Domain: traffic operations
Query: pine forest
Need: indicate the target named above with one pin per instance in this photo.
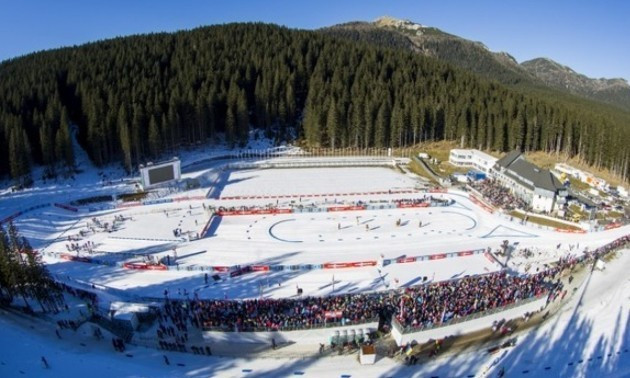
(134, 99)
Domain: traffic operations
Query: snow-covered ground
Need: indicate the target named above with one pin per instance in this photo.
(596, 333)
(600, 323)
(296, 239)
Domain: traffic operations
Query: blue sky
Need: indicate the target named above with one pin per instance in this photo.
(592, 37)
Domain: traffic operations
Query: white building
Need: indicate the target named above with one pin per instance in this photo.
(472, 158)
(582, 176)
(536, 186)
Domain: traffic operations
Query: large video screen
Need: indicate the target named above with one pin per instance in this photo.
(158, 175)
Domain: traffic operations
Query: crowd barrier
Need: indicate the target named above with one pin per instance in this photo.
(309, 210)
(345, 208)
(157, 201)
(331, 209)
(342, 265)
(481, 203)
(570, 231)
(84, 259)
(69, 257)
(241, 269)
(144, 266)
(66, 207)
(431, 257)
(222, 213)
(402, 205)
(22, 212)
(128, 204)
(187, 198)
(403, 335)
(612, 226)
(101, 208)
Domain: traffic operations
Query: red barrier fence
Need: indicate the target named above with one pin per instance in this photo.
(70, 257)
(437, 256)
(404, 260)
(144, 266)
(612, 225)
(465, 253)
(260, 268)
(348, 264)
(570, 231)
(481, 204)
(491, 258)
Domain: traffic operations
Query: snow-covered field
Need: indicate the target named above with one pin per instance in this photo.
(293, 239)
(586, 340)
(300, 239)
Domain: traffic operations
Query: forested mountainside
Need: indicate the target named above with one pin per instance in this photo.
(476, 57)
(555, 75)
(136, 98)
(432, 42)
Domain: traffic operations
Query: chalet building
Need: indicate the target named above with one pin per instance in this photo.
(474, 159)
(536, 186)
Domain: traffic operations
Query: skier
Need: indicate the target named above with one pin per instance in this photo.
(45, 363)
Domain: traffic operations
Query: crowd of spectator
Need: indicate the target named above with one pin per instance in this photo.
(275, 314)
(415, 307)
(426, 305)
(498, 195)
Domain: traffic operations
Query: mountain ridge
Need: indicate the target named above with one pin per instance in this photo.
(475, 56)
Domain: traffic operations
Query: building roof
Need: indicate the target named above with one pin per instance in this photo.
(509, 158)
(528, 174)
(583, 199)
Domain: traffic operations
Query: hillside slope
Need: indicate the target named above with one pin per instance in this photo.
(555, 75)
(141, 97)
(474, 56)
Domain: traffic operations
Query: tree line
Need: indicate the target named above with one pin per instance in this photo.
(138, 98)
(23, 275)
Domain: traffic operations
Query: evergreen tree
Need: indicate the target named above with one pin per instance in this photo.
(242, 117)
(47, 143)
(63, 143)
(332, 124)
(19, 156)
(22, 272)
(264, 76)
(381, 126)
(125, 141)
(154, 138)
